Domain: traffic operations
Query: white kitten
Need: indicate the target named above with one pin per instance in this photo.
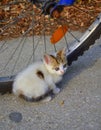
(38, 79)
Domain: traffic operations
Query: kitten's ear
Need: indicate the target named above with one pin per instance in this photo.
(47, 58)
(64, 51)
(61, 52)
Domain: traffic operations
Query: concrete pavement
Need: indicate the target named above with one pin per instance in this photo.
(76, 107)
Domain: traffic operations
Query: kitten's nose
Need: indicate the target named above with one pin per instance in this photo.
(62, 72)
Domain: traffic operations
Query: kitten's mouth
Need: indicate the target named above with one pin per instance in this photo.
(62, 72)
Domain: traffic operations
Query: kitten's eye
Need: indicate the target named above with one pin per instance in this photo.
(64, 65)
(57, 68)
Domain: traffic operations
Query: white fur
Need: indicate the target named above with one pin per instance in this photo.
(31, 85)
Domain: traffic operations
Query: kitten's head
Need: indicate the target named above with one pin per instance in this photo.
(56, 64)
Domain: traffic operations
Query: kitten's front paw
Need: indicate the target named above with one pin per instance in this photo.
(56, 90)
(47, 99)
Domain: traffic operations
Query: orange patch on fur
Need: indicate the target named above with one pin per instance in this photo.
(40, 74)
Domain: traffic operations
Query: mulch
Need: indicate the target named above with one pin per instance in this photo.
(21, 19)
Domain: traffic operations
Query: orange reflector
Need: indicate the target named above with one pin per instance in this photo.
(58, 34)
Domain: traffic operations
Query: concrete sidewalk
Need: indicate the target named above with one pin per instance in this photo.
(76, 107)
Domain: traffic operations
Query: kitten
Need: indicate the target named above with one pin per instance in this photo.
(38, 79)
